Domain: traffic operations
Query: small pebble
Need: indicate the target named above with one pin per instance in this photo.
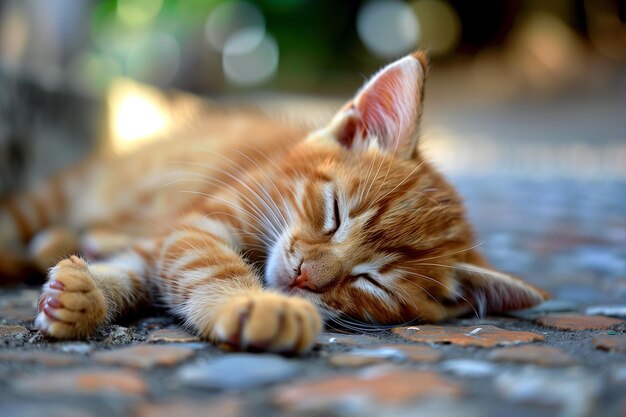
(238, 371)
(574, 391)
(468, 367)
(613, 311)
(82, 348)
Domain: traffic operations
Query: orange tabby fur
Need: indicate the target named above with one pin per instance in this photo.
(254, 230)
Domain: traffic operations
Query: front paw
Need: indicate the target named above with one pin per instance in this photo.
(70, 306)
(267, 322)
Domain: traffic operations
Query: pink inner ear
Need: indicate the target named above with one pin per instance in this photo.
(382, 105)
(388, 106)
(349, 131)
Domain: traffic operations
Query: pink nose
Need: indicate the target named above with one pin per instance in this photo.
(302, 281)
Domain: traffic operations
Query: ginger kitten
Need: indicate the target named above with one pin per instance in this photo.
(276, 229)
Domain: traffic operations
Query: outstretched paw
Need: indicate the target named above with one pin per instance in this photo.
(268, 322)
(71, 306)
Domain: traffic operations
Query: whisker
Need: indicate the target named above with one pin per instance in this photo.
(228, 187)
(399, 184)
(452, 290)
(271, 161)
(263, 221)
(271, 210)
(273, 184)
(455, 252)
(366, 180)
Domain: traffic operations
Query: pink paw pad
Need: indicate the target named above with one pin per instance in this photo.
(53, 302)
(56, 285)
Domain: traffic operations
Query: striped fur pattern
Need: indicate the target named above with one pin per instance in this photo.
(254, 231)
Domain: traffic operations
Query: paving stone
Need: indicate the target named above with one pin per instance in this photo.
(81, 348)
(347, 359)
(41, 357)
(238, 371)
(19, 313)
(382, 353)
(479, 335)
(469, 367)
(172, 336)
(42, 410)
(389, 386)
(550, 306)
(578, 322)
(348, 340)
(435, 407)
(614, 343)
(13, 332)
(400, 352)
(618, 374)
(225, 407)
(613, 311)
(98, 382)
(574, 391)
(537, 355)
(195, 345)
(144, 356)
(528, 410)
(417, 353)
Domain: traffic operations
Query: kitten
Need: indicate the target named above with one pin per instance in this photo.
(276, 229)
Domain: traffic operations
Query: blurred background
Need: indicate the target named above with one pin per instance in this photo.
(547, 78)
(526, 100)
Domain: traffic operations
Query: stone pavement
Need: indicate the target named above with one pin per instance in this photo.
(564, 358)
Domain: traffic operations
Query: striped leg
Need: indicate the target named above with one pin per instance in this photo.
(79, 297)
(199, 273)
(204, 279)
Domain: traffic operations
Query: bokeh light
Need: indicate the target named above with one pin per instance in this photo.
(229, 18)
(155, 59)
(13, 38)
(137, 115)
(138, 12)
(440, 26)
(250, 57)
(546, 49)
(388, 28)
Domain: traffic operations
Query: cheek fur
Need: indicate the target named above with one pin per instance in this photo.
(283, 262)
(276, 268)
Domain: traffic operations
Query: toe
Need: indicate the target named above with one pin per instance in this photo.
(264, 323)
(230, 320)
(287, 339)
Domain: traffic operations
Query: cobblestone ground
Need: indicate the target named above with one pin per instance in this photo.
(567, 357)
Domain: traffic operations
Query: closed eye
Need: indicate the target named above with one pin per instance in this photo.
(369, 284)
(336, 213)
(368, 278)
(332, 219)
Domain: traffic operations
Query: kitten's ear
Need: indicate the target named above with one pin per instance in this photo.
(489, 291)
(386, 111)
